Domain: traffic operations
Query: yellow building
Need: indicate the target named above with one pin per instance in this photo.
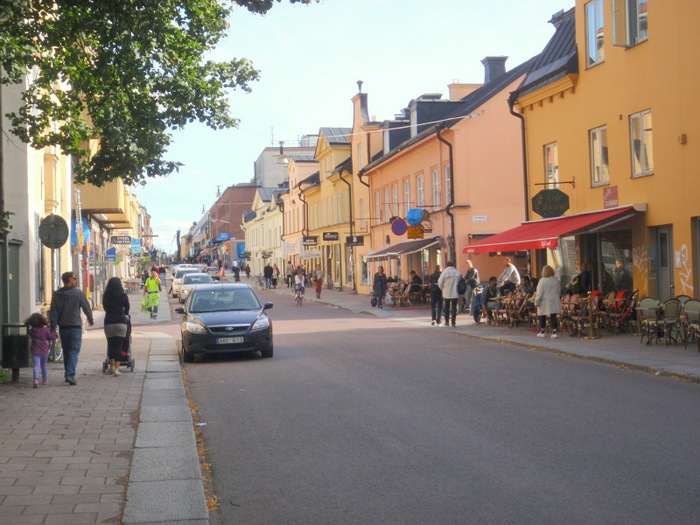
(609, 114)
(328, 205)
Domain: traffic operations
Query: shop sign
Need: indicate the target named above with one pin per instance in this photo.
(550, 203)
(610, 199)
(330, 236)
(355, 240)
(121, 239)
(310, 241)
(310, 254)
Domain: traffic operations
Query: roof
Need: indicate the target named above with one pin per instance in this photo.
(470, 103)
(558, 59)
(337, 136)
(303, 158)
(266, 193)
(314, 178)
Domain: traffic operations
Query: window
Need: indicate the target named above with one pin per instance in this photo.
(406, 197)
(420, 191)
(594, 33)
(629, 22)
(551, 165)
(448, 184)
(395, 199)
(387, 204)
(641, 144)
(363, 224)
(436, 190)
(599, 156)
(360, 160)
(377, 208)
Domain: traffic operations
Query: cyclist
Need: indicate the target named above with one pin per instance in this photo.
(299, 284)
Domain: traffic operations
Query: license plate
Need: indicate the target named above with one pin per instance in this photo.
(229, 340)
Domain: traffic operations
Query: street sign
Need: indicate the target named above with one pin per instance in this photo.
(111, 254)
(415, 232)
(121, 239)
(399, 227)
(550, 203)
(53, 231)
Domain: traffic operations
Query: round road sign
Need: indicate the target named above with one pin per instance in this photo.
(53, 231)
(399, 227)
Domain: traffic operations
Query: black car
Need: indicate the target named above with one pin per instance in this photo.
(225, 318)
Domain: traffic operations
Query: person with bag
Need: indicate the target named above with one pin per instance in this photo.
(318, 280)
(449, 283)
(116, 322)
(380, 286)
(548, 301)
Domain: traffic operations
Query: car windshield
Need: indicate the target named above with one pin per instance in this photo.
(224, 300)
(197, 279)
(182, 272)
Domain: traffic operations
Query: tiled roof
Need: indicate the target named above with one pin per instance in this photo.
(558, 59)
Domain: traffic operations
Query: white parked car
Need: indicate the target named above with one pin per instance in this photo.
(190, 282)
(177, 279)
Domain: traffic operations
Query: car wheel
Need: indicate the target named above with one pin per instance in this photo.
(268, 352)
(187, 357)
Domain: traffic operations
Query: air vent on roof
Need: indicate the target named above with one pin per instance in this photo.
(430, 96)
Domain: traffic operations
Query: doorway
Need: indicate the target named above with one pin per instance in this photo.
(664, 263)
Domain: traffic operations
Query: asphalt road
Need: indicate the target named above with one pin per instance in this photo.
(360, 420)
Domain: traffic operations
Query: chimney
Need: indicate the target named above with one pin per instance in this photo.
(495, 67)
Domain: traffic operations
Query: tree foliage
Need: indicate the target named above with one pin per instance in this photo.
(126, 73)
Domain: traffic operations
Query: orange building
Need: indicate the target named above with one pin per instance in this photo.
(458, 162)
(609, 110)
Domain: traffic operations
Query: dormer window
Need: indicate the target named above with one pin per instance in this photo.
(629, 22)
(595, 33)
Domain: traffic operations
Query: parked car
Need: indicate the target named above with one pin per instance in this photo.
(225, 318)
(177, 279)
(189, 281)
(213, 270)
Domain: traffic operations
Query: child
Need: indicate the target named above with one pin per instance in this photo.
(40, 334)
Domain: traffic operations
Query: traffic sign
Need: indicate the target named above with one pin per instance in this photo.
(53, 231)
(399, 227)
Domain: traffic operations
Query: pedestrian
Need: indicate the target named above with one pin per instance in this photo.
(161, 276)
(435, 297)
(267, 273)
(289, 273)
(490, 299)
(621, 277)
(318, 280)
(40, 335)
(151, 295)
(247, 271)
(66, 304)
(116, 323)
(448, 283)
(275, 275)
(471, 277)
(509, 278)
(380, 286)
(547, 301)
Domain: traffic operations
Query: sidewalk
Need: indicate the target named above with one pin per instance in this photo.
(623, 350)
(109, 450)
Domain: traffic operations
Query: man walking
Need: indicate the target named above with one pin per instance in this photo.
(448, 283)
(435, 297)
(267, 273)
(66, 304)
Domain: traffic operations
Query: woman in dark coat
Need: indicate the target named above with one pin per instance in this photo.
(380, 286)
(116, 324)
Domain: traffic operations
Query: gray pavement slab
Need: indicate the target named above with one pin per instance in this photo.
(167, 501)
(163, 464)
(165, 434)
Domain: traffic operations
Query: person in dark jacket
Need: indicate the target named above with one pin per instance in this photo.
(267, 273)
(116, 324)
(380, 286)
(473, 282)
(66, 304)
(435, 297)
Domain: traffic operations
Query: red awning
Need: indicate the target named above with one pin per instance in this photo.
(535, 235)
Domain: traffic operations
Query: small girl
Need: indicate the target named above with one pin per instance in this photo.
(40, 334)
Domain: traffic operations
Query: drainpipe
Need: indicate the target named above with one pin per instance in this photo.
(352, 230)
(361, 174)
(450, 245)
(305, 229)
(511, 103)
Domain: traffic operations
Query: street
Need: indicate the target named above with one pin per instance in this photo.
(359, 419)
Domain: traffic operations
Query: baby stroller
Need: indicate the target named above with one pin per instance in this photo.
(125, 359)
(477, 307)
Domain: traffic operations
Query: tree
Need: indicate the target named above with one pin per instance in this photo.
(125, 73)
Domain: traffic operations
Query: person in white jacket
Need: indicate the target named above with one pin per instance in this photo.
(548, 301)
(448, 283)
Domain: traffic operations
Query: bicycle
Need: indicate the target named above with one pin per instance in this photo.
(259, 284)
(299, 294)
(55, 350)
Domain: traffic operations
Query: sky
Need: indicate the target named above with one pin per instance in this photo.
(311, 57)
